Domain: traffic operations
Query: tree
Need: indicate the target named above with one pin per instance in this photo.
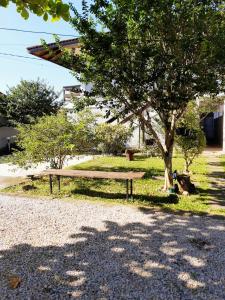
(151, 58)
(52, 138)
(190, 139)
(54, 8)
(112, 138)
(28, 101)
(3, 121)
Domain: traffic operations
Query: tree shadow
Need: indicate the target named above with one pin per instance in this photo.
(154, 199)
(216, 192)
(165, 257)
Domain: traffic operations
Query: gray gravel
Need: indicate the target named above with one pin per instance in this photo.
(83, 250)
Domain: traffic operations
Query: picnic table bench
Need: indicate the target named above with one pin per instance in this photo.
(127, 176)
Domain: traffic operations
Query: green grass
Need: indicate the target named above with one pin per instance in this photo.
(146, 191)
(222, 161)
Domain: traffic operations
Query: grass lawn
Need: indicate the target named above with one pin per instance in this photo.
(146, 191)
(222, 160)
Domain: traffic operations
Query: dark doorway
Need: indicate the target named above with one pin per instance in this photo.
(213, 128)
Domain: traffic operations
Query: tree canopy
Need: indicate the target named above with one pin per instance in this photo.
(151, 58)
(48, 8)
(27, 101)
(53, 138)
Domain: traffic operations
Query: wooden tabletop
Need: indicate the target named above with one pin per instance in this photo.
(94, 174)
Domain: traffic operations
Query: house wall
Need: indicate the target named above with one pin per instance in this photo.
(4, 133)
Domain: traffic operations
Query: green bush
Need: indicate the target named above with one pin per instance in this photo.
(191, 139)
(112, 138)
(52, 138)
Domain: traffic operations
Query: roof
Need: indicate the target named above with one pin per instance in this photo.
(52, 52)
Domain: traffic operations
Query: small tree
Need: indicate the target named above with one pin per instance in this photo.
(52, 139)
(191, 146)
(190, 138)
(28, 101)
(112, 138)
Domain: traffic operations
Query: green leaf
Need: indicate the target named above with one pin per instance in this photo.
(4, 3)
(25, 14)
(55, 19)
(45, 17)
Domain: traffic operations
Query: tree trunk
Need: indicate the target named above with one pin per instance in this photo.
(168, 155)
(186, 167)
(168, 171)
(167, 149)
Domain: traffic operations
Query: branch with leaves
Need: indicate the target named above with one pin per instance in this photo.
(162, 53)
(55, 9)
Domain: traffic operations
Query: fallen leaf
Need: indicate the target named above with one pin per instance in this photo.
(14, 281)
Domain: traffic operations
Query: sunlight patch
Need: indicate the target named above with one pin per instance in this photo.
(189, 282)
(194, 261)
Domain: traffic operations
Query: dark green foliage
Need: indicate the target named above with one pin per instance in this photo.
(27, 101)
(112, 138)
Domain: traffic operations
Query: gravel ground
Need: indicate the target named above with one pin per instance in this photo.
(83, 250)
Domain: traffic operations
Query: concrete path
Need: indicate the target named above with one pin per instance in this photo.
(11, 174)
(216, 179)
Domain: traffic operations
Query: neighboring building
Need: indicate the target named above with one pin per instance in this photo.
(7, 134)
(213, 125)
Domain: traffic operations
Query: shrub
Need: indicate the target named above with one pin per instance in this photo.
(191, 146)
(190, 138)
(52, 138)
(112, 138)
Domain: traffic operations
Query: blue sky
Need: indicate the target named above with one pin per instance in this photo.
(13, 69)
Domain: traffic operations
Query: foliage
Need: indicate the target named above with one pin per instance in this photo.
(152, 150)
(191, 146)
(52, 139)
(151, 57)
(112, 138)
(54, 8)
(80, 103)
(28, 101)
(3, 102)
(85, 131)
(192, 141)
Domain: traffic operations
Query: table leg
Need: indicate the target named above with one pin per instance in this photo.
(50, 183)
(127, 189)
(58, 178)
(131, 189)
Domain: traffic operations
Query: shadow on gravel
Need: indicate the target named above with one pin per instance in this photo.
(171, 258)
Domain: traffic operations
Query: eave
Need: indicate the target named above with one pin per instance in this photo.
(52, 52)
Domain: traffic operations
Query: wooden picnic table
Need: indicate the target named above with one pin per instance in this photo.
(128, 176)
